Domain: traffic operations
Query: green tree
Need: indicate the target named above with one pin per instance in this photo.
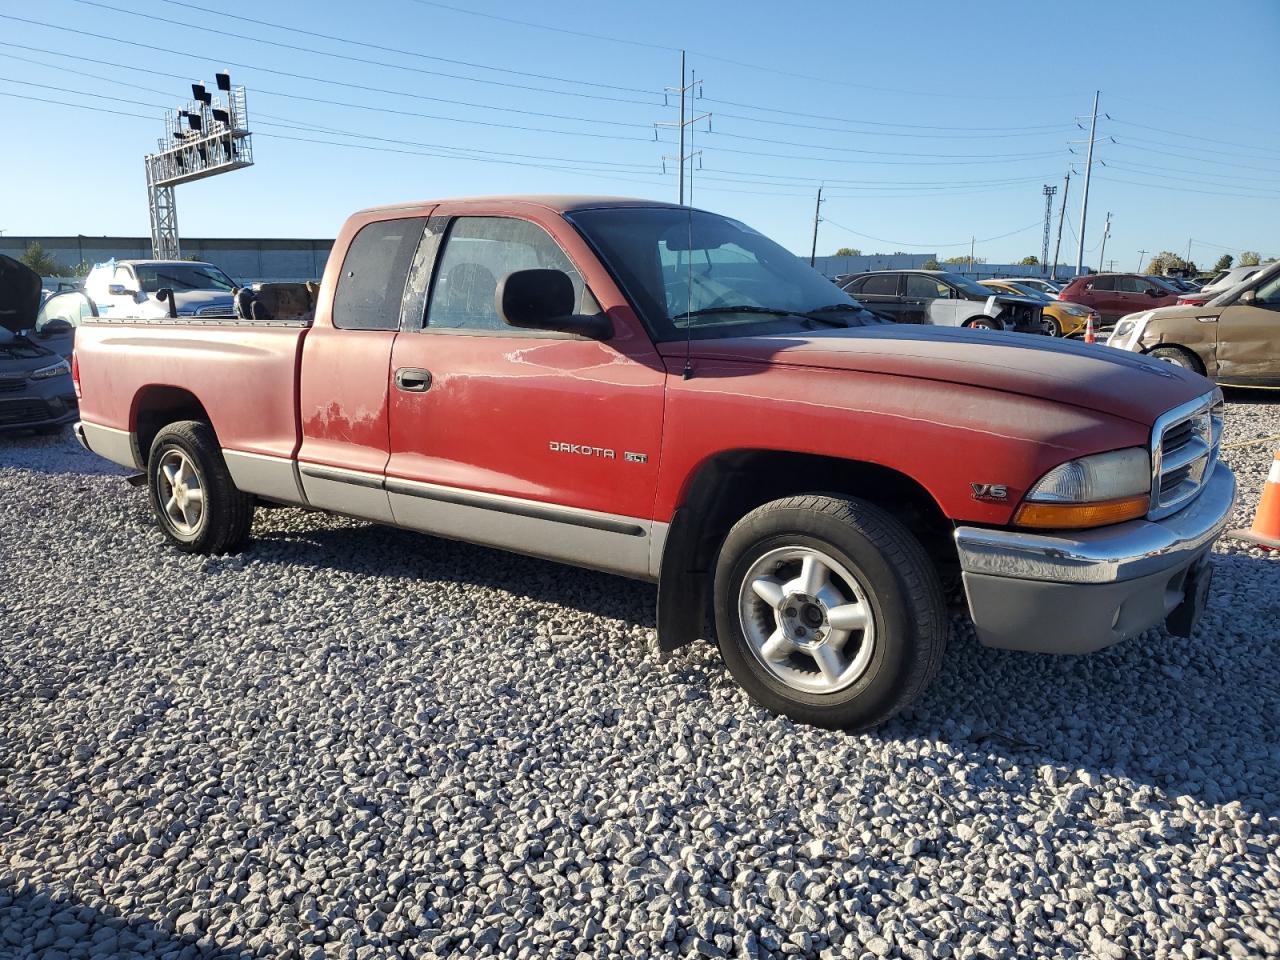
(81, 269)
(42, 261)
(1029, 262)
(1166, 261)
(964, 259)
(1249, 258)
(931, 265)
(1224, 262)
(848, 252)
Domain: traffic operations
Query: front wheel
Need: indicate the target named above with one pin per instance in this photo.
(1179, 358)
(828, 610)
(1051, 327)
(983, 323)
(196, 502)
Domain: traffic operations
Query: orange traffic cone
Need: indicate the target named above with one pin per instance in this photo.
(1265, 531)
(1090, 332)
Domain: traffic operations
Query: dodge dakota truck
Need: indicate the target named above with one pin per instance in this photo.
(664, 393)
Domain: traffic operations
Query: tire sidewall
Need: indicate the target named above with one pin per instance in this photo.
(879, 688)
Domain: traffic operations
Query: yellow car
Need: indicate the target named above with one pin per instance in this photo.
(1063, 319)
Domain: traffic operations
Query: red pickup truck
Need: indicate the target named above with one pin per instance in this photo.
(666, 394)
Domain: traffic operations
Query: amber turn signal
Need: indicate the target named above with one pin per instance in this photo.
(1078, 516)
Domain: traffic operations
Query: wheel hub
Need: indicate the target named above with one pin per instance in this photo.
(804, 620)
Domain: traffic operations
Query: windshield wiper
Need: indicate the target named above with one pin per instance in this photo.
(740, 308)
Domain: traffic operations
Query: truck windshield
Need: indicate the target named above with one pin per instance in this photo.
(697, 274)
(182, 276)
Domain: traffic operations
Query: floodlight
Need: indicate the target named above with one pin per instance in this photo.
(200, 93)
(224, 80)
(194, 121)
(222, 116)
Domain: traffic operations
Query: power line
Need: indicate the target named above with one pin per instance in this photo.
(348, 41)
(481, 123)
(1192, 136)
(885, 153)
(152, 49)
(962, 243)
(1183, 156)
(1180, 189)
(295, 96)
(844, 83)
(883, 123)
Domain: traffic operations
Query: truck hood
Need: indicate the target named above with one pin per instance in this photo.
(19, 295)
(1090, 376)
(189, 301)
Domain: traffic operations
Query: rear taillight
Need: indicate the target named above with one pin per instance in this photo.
(75, 374)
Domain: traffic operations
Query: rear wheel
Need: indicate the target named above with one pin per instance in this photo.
(1179, 357)
(828, 610)
(192, 493)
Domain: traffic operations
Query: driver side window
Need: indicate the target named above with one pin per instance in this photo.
(62, 312)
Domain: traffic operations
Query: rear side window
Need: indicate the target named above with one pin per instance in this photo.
(928, 288)
(478, 253)
(880, 284)
(371, 284)
(1104, 283)
(1134, 285)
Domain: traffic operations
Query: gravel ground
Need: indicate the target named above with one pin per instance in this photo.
(355, 742)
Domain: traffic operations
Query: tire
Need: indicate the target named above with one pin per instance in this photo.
(1178, 356)
(878, 579)
(1052, 328)
(194, 499)
(983, 323)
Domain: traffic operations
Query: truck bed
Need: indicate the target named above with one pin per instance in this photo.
(243, 374)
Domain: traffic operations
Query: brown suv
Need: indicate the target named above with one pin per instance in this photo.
(1234, 338)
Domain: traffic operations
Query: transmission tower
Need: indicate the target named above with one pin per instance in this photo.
(1048, 192)
(210, 135)
(693, 87)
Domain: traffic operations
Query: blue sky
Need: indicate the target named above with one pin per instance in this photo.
(929, 123)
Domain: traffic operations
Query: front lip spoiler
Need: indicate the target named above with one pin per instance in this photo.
(1107, 554)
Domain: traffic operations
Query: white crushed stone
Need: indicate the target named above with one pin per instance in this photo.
(351, 741)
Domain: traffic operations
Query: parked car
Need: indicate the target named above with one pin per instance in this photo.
(944, 299)
(129, 288)
(1115, 294)
(59, 316)
(1233, 339)
(1049, 287)
(1224, 281)
(36, 391)
(1061, 319)
(666, 394)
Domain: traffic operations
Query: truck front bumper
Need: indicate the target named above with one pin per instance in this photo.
(1081, 592)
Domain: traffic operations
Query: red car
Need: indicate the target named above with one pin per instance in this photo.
(1113, 295)
(666, 394)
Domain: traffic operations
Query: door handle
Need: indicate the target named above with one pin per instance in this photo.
(413, 379)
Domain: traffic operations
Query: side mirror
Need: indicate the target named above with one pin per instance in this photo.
(1248, 298)
(166, 294)
(543, 300)
(118, 290)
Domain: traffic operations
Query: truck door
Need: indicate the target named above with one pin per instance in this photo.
(534, 441)
(346, 360)
(1249, 338)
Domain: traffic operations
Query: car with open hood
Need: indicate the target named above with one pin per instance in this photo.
(36, 390)
(1061, 319)
(1233, 339)
(946, 300)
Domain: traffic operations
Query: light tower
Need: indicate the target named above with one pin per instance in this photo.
(1048, 192)
(207, 137)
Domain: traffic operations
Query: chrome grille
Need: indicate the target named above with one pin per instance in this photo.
(1184, 451)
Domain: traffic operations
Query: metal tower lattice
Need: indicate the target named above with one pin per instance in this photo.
(1048, 192)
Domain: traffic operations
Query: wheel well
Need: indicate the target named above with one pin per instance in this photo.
(155, 407)
(731, 485)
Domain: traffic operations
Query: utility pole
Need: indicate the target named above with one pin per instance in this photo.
(1088, 169)
(684, 122)
(1138, 268)
(817, 209)
(1062, 215)
(1048, 192)
(1187, 259)
(971, 253)
(1106, 232)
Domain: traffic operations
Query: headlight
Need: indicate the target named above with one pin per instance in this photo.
(1090, 492)
(1123, 329)
(55, 370)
